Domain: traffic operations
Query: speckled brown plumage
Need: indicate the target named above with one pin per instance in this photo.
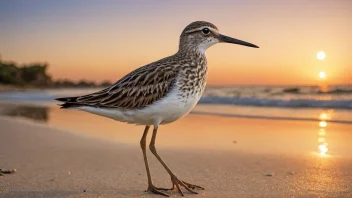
(150, 83)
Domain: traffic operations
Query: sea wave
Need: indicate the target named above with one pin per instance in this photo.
(210, 97)
(297, 103)
(317, 90)
(336, 91)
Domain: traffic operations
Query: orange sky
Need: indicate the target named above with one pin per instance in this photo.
(105, 40)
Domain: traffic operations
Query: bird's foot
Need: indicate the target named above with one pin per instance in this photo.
(190, 187)
(156, 190)
(193, 186)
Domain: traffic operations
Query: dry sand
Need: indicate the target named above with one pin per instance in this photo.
(56, 163)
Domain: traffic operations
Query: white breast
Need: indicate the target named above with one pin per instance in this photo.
(169, 109)
(164, 111)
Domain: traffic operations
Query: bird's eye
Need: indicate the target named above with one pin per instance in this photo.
(205, 31)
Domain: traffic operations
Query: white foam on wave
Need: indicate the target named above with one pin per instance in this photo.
(298, 103)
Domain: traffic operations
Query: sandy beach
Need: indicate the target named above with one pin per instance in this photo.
(230, 157)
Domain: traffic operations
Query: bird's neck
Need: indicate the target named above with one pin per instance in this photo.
(192, 52)
(193, 71)
(195, 65)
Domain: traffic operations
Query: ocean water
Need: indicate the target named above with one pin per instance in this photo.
(307, 103)
(335, 97)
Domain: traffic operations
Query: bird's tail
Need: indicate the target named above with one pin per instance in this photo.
(69, 102)
(67, 99)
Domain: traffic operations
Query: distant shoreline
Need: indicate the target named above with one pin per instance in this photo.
(35, 76)
(9, 88)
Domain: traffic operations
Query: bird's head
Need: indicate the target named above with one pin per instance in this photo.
(201, 35)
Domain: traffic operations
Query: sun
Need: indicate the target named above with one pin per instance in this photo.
(321, 55)
(322, 75)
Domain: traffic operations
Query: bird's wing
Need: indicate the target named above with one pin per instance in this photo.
(136, 90)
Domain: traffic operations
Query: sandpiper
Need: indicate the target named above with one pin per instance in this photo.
(159, 93)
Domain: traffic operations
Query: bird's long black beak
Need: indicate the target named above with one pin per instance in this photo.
(227, 39)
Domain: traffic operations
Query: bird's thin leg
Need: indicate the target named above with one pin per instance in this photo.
(151, 187)
(175, 181)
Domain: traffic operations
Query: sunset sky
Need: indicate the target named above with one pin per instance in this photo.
(104, 40)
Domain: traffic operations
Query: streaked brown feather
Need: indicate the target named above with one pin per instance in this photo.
(140, 88)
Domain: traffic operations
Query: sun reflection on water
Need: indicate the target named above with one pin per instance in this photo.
(323, 149)
(322, 144)
(321, 132)
(323, 124)
(323, 116)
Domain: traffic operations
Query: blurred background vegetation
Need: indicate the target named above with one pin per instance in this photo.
(35, 75)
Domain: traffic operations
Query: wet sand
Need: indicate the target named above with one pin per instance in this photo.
(72, 155)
